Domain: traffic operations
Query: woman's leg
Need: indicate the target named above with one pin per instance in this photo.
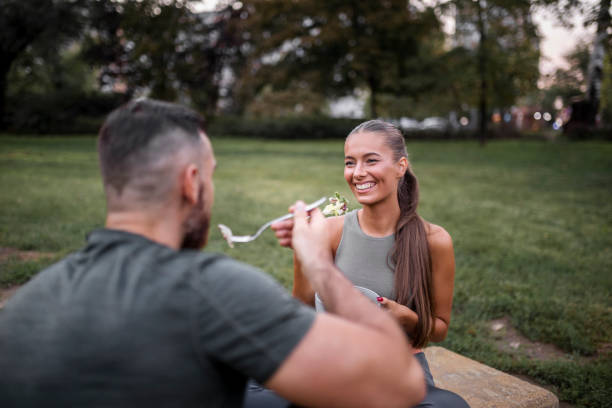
(437, 397)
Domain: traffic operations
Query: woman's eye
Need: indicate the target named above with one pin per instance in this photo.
(372, 160)
(348, 163)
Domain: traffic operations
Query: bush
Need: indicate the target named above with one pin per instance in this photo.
(319, 127)
(587, 133)
(285, 128)
(61, 112)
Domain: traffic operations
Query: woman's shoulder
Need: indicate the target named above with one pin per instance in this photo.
(438, 238)
(335, 224)
(334, 227)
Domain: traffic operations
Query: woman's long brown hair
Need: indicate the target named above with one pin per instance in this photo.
(410, 253)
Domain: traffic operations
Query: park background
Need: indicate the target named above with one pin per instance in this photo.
(514, 160)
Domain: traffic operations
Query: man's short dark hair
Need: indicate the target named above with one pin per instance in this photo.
(138, 140)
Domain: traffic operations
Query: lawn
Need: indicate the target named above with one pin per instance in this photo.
(531, 223)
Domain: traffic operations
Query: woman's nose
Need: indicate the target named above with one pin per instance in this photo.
(359, 170)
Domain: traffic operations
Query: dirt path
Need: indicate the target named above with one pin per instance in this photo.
(511, 341)
(11, 253)
(6, 253)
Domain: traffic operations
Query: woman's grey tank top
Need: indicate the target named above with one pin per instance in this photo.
(363, 259)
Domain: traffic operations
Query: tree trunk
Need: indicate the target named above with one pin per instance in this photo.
(5, 67)
(596, 62)
(482, 73)
(373, 102)
(373, 97)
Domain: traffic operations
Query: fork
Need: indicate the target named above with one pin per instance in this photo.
(230, 238)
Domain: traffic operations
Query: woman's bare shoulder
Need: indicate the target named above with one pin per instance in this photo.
(438, 238)
(335, 225)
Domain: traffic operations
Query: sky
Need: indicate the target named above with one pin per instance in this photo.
(557, 41)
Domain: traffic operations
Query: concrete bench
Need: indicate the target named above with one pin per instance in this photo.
(482, 386)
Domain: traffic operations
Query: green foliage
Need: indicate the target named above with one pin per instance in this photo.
(510, 53)
(163, 48)
(569, 83)
(606, 92)
(55, 93)
(336, 46)
(322, 127)
(64, 111)
(23, 23)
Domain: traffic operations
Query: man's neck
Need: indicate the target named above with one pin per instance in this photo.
(161, 229)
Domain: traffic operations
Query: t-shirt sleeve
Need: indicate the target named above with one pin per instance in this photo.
(246, 320)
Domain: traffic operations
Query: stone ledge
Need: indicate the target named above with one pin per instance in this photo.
(483, 386)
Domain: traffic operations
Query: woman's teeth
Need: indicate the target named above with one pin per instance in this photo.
(364, 186)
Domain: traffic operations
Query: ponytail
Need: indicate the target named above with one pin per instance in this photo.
(410, 255)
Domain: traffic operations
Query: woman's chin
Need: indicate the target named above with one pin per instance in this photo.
(365, 199)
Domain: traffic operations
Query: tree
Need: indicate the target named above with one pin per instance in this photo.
(584, 112)
(24, 22)
(496, 46)
(163, 49)
(596, 62)
(334, 47)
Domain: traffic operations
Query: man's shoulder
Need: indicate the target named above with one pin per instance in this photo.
(212, 261)
(222, 269)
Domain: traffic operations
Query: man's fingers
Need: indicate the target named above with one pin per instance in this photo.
(284, 233)
(299, 214)
(285, 242)
(316, 215)
(282, 225)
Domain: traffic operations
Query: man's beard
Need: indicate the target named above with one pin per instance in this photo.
(196, 225)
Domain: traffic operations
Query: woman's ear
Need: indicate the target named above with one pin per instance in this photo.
(191, 184)
(402, 166)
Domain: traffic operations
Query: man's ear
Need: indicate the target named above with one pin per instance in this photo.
(191, 183)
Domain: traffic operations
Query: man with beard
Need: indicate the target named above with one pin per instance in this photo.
(141, 317)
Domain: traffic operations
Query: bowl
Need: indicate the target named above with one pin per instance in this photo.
(370, 294)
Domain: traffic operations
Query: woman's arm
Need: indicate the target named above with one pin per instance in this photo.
(443, 277)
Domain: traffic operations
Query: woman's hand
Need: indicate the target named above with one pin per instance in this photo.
(405, 316)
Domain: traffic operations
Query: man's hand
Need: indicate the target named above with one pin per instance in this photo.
(310, 241)
(284, 230)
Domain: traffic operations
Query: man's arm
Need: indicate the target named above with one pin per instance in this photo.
(301, 286)
(355, 355)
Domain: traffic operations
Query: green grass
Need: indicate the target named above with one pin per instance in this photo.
(531, 224)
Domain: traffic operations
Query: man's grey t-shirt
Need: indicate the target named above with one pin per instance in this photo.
(129, 322)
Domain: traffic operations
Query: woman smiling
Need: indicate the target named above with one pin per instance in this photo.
(387, 247)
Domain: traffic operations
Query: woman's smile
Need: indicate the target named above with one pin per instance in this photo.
(364, 187)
